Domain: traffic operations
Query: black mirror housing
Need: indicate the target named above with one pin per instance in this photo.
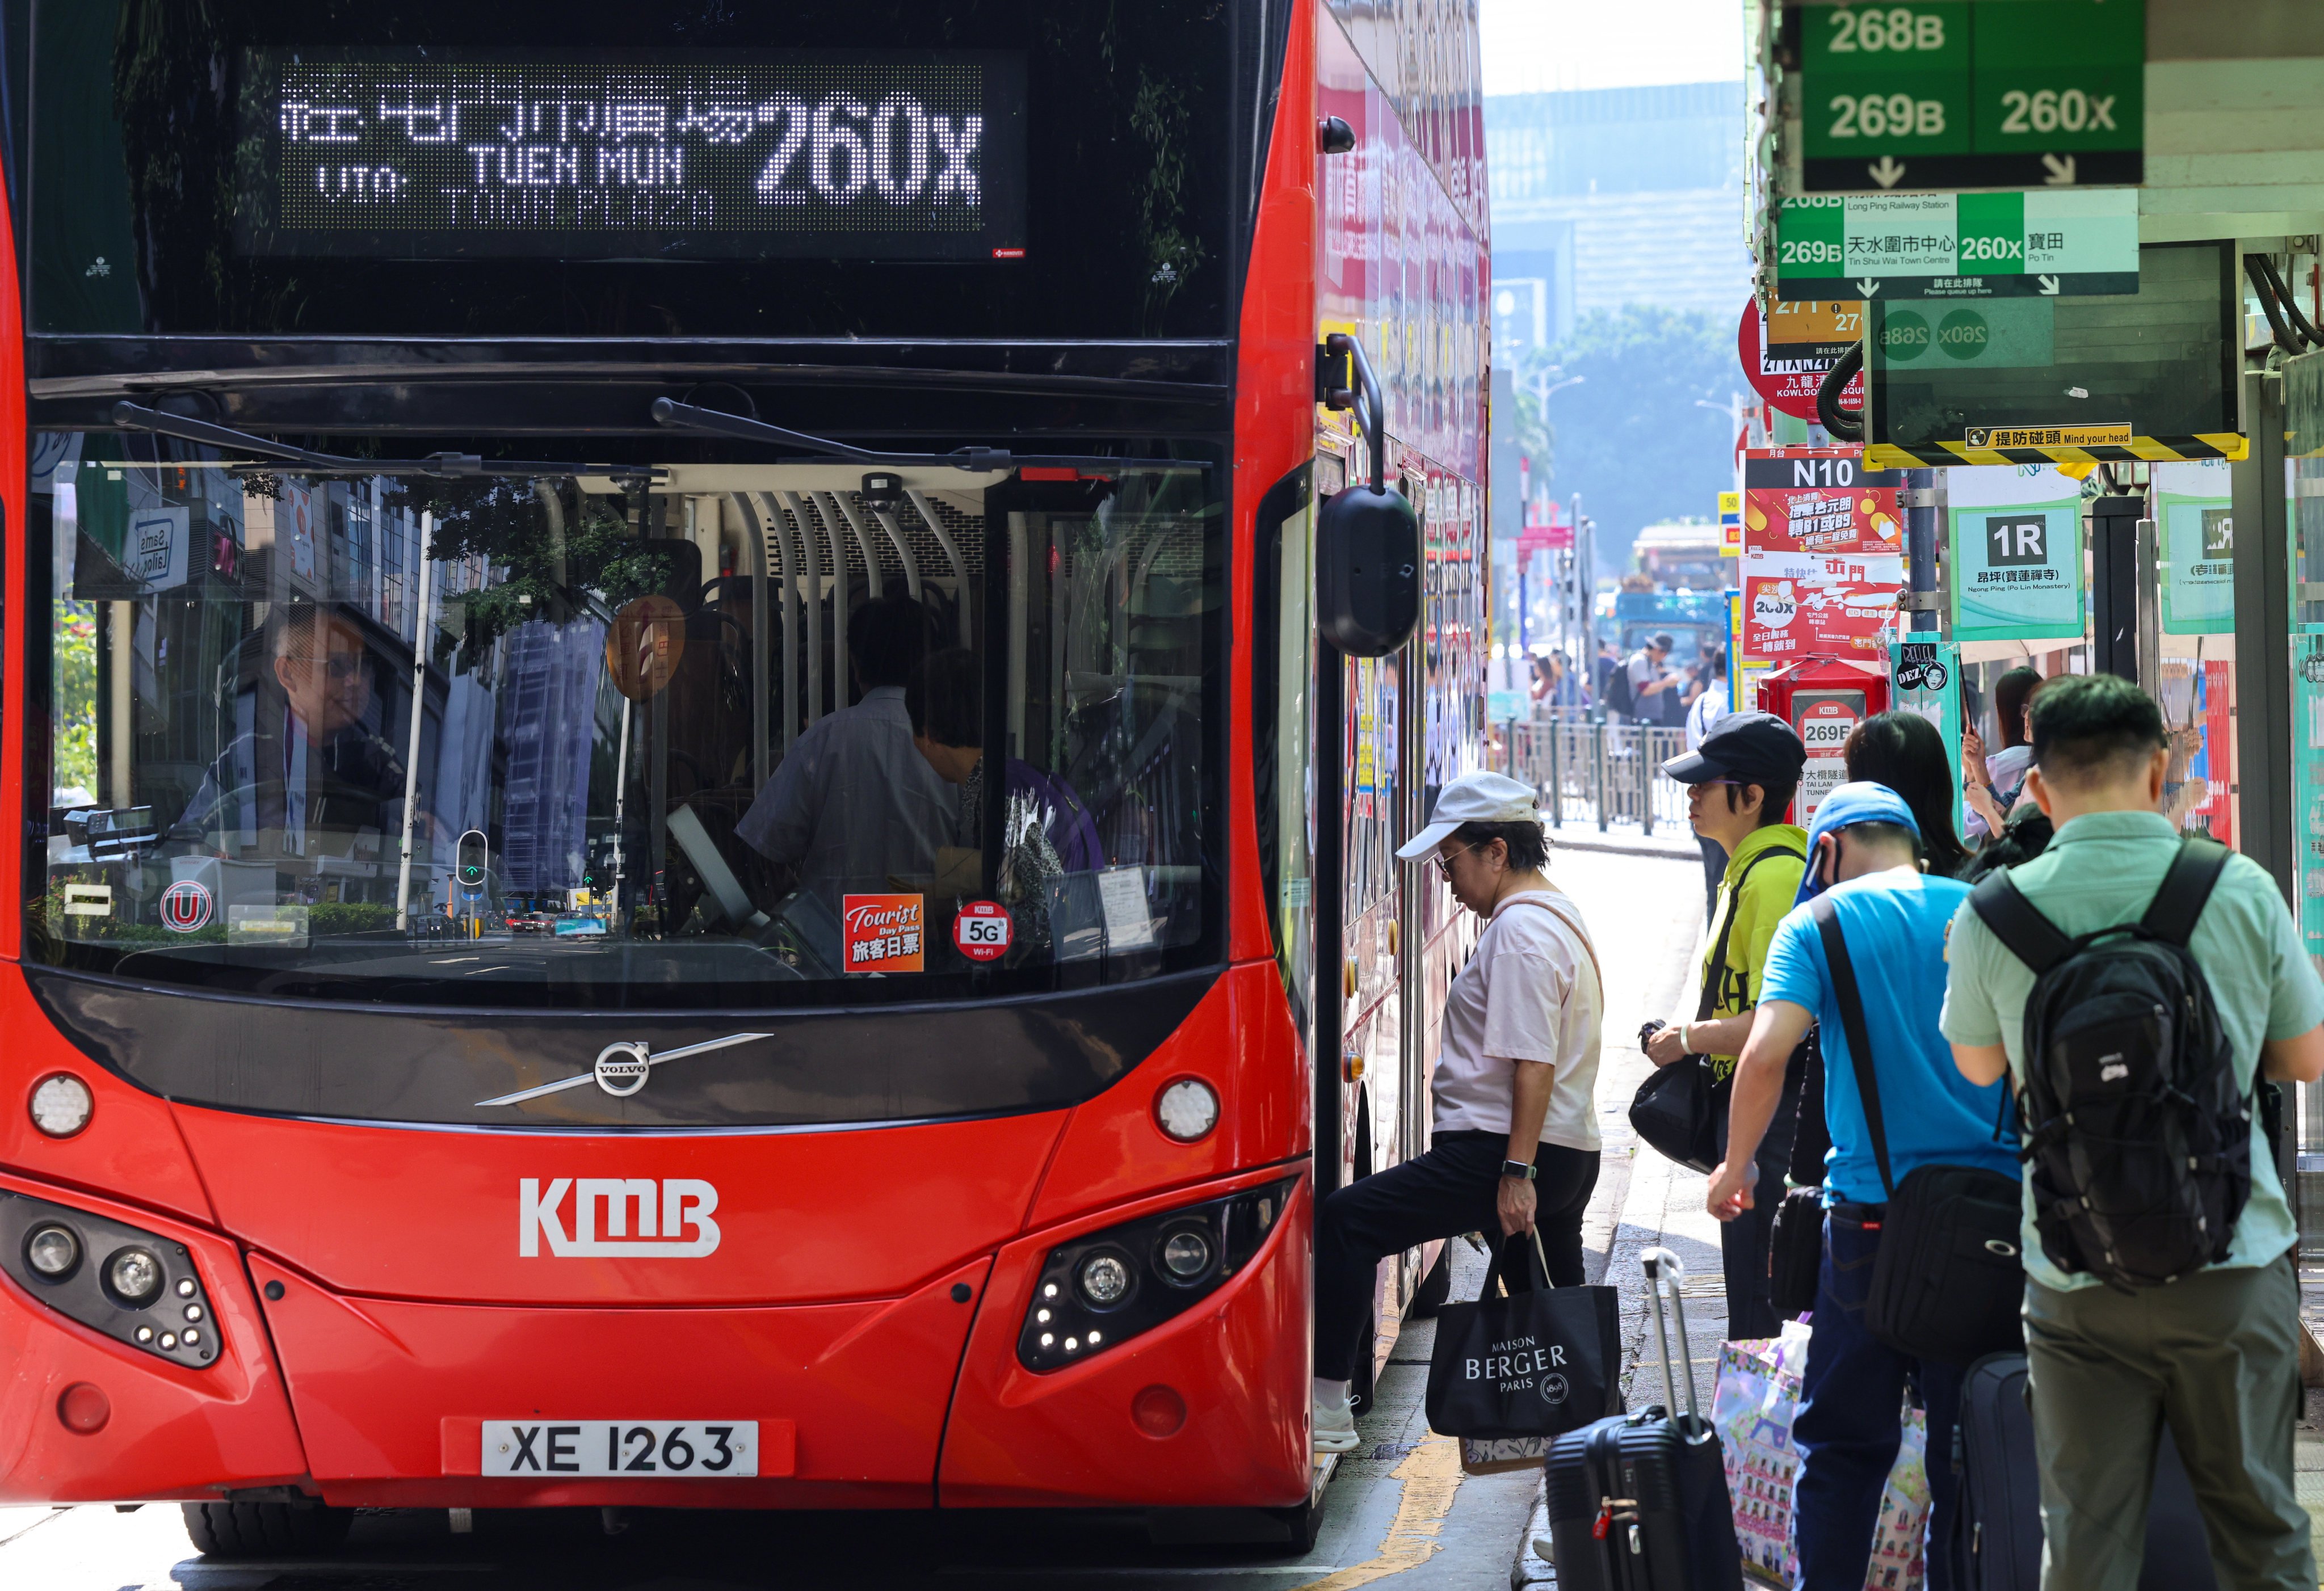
(1367, 571)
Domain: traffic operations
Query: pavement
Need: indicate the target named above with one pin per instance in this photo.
(1397, 1511)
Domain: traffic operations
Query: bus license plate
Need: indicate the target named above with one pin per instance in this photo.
(624, 1448)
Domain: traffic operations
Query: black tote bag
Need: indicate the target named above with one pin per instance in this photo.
(1677, 1109)
(1533, 1363)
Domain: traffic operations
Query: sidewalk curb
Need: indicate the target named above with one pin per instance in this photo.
(1562, 840)
(1530, 1568)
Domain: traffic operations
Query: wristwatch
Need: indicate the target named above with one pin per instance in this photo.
(1517, 1168)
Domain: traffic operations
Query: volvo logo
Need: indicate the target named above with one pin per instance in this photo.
(621, 1067)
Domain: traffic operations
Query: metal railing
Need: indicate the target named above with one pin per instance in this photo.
(1606, 773)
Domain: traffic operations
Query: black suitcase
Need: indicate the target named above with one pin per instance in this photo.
(1639, 1501)
(1996, 1543)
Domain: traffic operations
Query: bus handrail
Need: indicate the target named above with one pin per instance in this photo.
(686, 417)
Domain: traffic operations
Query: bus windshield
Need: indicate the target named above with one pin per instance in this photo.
(649, 734)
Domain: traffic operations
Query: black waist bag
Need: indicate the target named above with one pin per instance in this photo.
(1948, 1282)
(1795, 1253)
(1678, 1108)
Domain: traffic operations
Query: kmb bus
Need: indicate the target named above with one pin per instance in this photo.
(529, 530)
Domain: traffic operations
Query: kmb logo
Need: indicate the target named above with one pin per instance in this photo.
(665, 1210)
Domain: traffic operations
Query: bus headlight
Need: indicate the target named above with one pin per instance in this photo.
(1105, 1280)
(134, 1277)
(53, 1252)
(136, 1287)
(1088, 1297)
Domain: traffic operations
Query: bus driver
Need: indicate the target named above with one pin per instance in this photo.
(313, 776)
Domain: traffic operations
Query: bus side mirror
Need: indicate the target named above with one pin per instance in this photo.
(1366, 570)
(1367, 537)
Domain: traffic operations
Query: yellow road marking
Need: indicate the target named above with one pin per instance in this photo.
(1431, 1474)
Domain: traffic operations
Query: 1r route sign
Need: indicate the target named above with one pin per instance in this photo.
(1959, 245)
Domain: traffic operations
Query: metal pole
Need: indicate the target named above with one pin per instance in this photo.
(1919, 498)
(1557, 775)
(2264, 827)
(2150, 609)
(419, 709)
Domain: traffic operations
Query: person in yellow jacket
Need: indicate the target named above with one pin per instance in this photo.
(1741, 782)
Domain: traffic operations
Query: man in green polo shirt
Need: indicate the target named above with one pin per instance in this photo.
(1740, 781)
(2215, 1354)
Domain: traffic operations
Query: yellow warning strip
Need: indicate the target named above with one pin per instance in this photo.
(1430, 1474)
(2225, 445)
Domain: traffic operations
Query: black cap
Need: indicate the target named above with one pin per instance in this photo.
(1752, 748)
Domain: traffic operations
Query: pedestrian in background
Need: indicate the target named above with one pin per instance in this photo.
(1649, 682)
(1863, 854)
(1993, 781)
(1708, 709)
(2214, 1354)
(1904, 751)
(1514, 1142)
(1741, 782)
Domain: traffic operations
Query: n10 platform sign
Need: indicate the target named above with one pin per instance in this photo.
(1952, 94)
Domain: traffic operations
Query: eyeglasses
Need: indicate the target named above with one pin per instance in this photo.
(1438, 860)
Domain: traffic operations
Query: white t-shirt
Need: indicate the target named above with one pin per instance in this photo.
(1708, 708)
(1529, 993)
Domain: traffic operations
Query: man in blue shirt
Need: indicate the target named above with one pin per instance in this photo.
(1864, 848)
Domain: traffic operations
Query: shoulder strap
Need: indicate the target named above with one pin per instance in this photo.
(1852, 1022)
(2179, 900)
(1579, 933)
(2022, 931)
(1717, 961)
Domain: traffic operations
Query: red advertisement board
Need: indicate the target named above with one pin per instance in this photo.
(1823, 555)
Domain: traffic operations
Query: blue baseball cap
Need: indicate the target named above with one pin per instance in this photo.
(1861, 801)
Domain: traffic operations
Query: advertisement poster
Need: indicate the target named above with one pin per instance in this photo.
(884, 933)
(1823, 555)
(2015, 550)
(2195, 532)
(1784, 357)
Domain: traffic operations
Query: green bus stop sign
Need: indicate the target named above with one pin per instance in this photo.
(1966, 94)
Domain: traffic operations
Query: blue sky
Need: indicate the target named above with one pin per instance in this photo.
(1532, 45)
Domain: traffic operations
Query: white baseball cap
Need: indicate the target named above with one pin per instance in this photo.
(1473, 798)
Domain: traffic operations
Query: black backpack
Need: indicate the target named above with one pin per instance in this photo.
(2138, 1138)
(1620, 696)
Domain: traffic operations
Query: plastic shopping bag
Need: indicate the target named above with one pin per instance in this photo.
(1751, 1408)
(1758, 1395)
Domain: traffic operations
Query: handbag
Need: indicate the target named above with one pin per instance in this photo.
(1510, 1372)
(1949, 1282)
(1677, 1109)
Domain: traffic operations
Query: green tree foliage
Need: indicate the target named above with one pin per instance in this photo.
(74, 695)
(1630, 437)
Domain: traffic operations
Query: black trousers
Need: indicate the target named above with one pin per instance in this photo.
(1453, 1189)
(1744, 1242)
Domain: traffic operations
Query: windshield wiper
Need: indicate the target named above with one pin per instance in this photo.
(130, 417)
(686, 417)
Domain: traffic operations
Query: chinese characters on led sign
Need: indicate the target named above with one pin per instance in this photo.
(901, 156)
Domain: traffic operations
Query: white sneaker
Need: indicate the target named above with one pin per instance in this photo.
(1335, 1428)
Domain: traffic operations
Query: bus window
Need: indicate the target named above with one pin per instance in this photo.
(685, 733)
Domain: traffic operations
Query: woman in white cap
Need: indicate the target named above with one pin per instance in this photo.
(1514, 1141)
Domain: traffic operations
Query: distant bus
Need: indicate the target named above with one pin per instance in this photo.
(1684, 554)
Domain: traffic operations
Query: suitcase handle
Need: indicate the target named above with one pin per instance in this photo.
(1665, 1271)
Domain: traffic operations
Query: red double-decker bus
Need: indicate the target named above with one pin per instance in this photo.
(535, 526)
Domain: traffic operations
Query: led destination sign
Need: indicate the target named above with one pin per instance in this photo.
(901, 155)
